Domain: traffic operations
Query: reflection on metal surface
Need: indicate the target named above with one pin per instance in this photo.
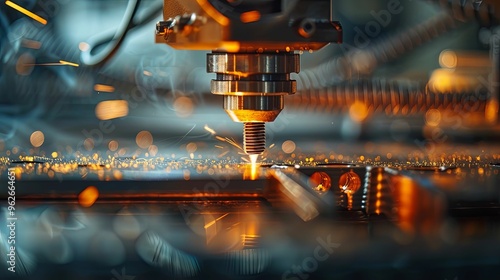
(349, 182)
(301, 201)
(246, 262)
(320, 182)
(166, 190)
(160, 254)
(418, 209)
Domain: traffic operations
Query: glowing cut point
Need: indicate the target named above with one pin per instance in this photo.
(26, 12)
(252, 170)
(253, 159)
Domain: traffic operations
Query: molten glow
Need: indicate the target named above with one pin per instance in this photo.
(26, 12)
(253, 159)
(88, 196)
(251, 171)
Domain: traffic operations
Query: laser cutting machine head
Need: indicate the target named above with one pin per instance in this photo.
(254, 45)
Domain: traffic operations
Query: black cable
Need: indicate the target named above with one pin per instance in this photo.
(113, 40)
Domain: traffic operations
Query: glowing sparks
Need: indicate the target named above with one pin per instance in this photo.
(60, 63)
(207, 128)
(63, 62)
(211, 223)
(223, 154)
(230, 141)
(26, 12)
(233, 143)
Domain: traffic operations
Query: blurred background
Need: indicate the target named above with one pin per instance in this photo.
(127, 167)
(408, 60)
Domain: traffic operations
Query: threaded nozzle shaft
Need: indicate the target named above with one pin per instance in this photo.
(254, 138)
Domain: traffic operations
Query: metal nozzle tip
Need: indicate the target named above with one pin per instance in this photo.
(254, 138)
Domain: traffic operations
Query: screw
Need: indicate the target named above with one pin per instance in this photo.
(254, 138)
